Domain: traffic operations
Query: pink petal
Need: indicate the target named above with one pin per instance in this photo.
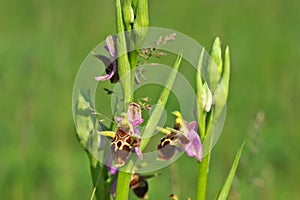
(137, 122)
(104, 77)
(107, 76)
(111, 46)
(134, 114)
(192, 125)
(137, 150)
(112, 170)
(194, 147)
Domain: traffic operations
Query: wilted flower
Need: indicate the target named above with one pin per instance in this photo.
(138, 184)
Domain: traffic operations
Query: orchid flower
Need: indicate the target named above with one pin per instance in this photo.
(183, 137)
(110, 63)
(127, 137)
(134, 117)
(138, 183)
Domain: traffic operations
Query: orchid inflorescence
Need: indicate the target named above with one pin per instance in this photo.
(126, 139)
(124, 136)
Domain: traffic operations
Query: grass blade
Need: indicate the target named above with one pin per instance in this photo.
(227, 185)
(158, 111)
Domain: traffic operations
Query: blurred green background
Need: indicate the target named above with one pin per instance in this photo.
(42, 44)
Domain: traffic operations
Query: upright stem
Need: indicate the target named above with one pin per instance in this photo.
(123, 185)
(218, 79)
(126, 62)
(201, 117)
(203, 170)
(123, 61)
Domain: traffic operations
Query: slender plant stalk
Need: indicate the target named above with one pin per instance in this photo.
(122, 191)
(128, 61)
(123, 61)
(219, 84)
(203, 165)
(123, 182)
(203, 170)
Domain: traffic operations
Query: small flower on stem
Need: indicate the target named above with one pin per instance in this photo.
(182, 137)
(111, 65)
(127, 138)
(138, 184)
(194, 147)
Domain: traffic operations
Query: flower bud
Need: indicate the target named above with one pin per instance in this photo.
(206, 98)
(128, 14)
(216, 64)
(141, 21)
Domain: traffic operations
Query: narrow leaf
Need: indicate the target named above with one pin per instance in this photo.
(158, 111)
(227, 185)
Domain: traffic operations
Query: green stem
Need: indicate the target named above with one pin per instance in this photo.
(122, 191)
(201, 117)
(203, 170)
(220, 90)
(123, 61)
(126, 62)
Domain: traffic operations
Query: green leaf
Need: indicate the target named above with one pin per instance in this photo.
(85, 121)
(86, 127)
(101, 187)
(227, 185)
(161, 103)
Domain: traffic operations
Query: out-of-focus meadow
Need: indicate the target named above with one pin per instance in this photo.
(42, 44)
